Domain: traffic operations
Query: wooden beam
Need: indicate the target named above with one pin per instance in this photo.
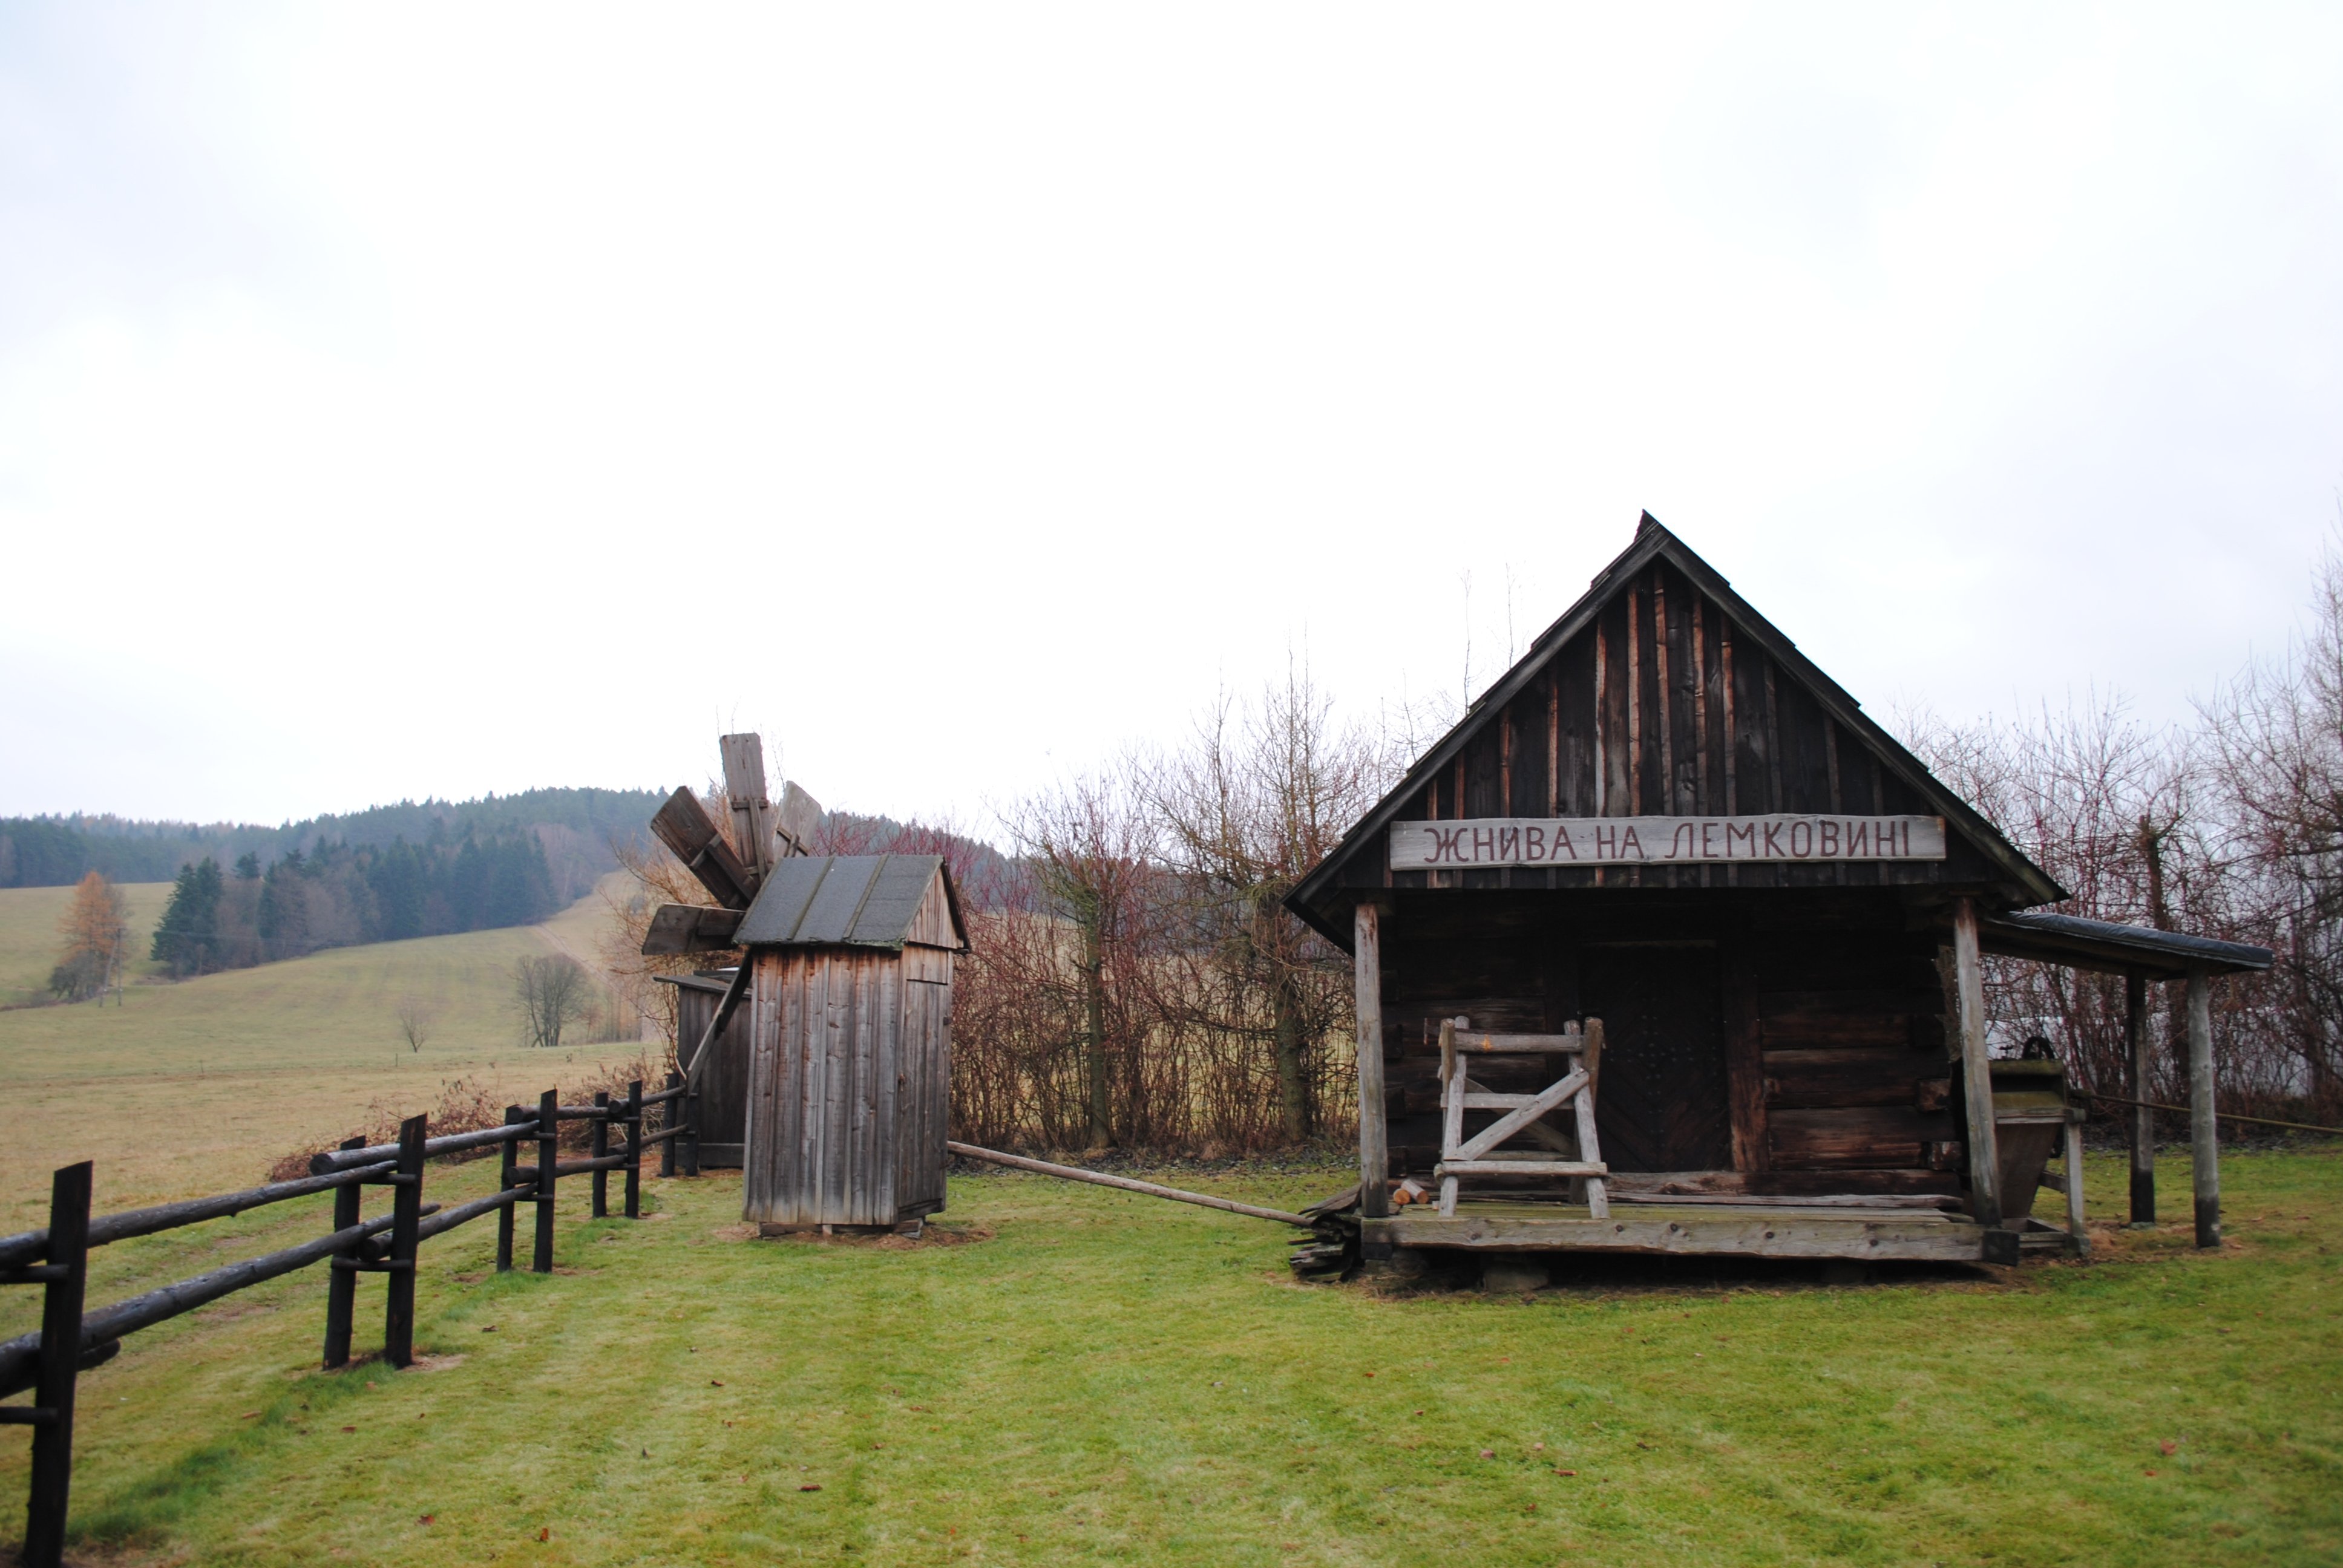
(2204, 1127)
(744, 791)
(684, 825)
(1977, 1068)
(2143, 1119)
(1367, 972)
(1513, 1120)
(689, 929)
(2074, 1185)
(1908, 1235)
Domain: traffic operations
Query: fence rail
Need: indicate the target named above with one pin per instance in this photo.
(56, 1256)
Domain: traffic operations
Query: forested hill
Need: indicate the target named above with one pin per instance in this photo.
(575, 826)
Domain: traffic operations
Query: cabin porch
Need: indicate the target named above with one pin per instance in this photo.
(1850, 1232)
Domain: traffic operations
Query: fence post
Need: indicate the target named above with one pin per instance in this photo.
(635, 1149)
(406, 1214)
(670, 1117)
(598, 1147)
(506, 1169)
(548, 1125)
(53, 1393)
(342, 1274)
(690, 1139)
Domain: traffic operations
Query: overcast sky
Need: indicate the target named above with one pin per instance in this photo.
(427, 400)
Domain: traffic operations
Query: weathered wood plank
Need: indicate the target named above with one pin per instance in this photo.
(1367, 999)
(1786, 839)
(1696, 1231)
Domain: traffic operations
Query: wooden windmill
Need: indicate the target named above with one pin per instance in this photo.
(844, 1073)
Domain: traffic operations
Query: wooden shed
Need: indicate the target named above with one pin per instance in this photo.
(849, 962)
(1668, 948)
(723, 1086)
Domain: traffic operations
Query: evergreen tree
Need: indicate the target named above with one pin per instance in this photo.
(187, 937)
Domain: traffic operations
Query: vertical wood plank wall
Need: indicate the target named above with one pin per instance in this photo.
(1658, 709)
(849, 1063)
(1833, 1014)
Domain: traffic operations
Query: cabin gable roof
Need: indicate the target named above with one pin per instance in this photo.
(1359, 863)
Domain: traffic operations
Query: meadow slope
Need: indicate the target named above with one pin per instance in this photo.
(196, 1085)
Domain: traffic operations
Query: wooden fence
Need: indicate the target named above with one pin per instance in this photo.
(70, 1341)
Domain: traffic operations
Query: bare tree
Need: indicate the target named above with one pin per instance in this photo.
(1261, 794)
(418, 1020)
(553, 992)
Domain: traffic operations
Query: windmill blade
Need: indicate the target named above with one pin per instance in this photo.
(678, 928)
(684, 825)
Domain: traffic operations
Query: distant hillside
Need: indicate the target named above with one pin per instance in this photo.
(575, 826)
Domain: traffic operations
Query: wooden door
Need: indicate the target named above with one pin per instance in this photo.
(1660, 1105)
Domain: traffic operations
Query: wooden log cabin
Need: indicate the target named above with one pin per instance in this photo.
(1667, 820)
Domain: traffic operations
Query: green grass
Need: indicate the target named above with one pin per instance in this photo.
(196, 1085)
(1091, 1377)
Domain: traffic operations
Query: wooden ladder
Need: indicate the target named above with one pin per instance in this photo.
(1479, 1155)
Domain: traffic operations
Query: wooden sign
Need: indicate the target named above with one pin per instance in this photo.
(1788, 838)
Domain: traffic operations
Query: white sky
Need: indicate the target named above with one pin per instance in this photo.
(413, 400)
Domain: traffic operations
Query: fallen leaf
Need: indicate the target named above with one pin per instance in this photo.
(1538, 1447)
(1566, 1473)
(1419, 1412)
(425, 1519)
(1488, 1453)
(489, 1328)
(811, 1486)
(647, 1452)
(1366, 1374)
(2169, 1447)
(716, 1383)
(546, 1534)
(250, 1416)
(350, 1429)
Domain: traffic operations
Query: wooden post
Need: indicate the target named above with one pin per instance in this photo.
(598, 1147)
(548, 1159)
(670, 1117)
(2204, 1127)
(507, 1169)
(1976, 1070)
(342, 1274)
(2074, 1183)
(407, 1213)
(2143, 1120)
(60, 1363)
(689, 1105)
(1374, 1147)
(635, 1149)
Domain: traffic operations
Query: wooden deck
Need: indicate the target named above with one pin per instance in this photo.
(1707, 1230)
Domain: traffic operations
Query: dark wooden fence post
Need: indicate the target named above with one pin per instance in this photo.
(691, 1133)
(507, 1167)
(670, 1117)
(548, 1125)
(407, 1213)
(342, 1273)
(53, 1394)
(598, 1147)
(635, 1149)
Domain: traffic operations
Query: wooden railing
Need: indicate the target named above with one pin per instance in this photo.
(70, 1341)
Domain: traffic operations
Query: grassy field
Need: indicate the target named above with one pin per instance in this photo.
(1061, 1374)
(28, 934)
(1069, 1376)
(195, 1087)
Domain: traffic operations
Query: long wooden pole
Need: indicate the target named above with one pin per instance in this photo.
(548, 1162)
(1099, 1178)
(507, 1165)
(1976, 1070)
(2143, 1120)
(1374, 1149)
(2204, 1126)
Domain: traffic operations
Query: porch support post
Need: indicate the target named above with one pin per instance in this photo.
(1374, 1151)
(2204, 1133)
(1976, 1069)
(2143, 1120)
